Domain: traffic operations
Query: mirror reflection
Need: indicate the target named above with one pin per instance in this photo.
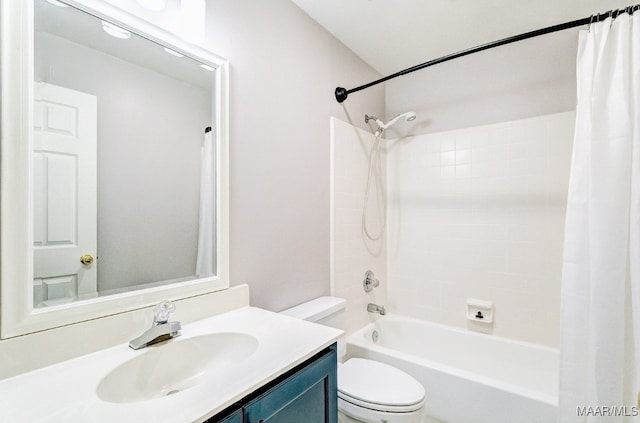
(123, 167)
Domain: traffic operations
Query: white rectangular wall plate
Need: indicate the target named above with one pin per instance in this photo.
(480, 311)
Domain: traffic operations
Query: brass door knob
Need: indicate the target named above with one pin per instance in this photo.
(86, 259)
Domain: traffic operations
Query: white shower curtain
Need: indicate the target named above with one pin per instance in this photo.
(601, 273)
(204, 262)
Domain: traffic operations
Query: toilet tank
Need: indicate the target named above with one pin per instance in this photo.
(327, 311)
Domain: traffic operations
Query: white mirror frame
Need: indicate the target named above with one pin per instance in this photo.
(17, 314)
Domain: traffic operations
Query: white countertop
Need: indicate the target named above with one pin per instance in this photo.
(66, 392)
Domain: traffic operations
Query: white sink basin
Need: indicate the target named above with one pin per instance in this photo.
(170, 368)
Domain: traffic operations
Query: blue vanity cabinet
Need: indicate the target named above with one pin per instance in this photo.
(309, 395)
(306, 394)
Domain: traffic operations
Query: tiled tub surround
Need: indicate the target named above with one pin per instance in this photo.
(479, 213)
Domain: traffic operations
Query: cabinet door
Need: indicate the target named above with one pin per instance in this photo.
(308, 396)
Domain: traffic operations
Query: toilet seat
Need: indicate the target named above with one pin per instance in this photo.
(378, 386)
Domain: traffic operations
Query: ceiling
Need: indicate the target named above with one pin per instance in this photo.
(392, 35)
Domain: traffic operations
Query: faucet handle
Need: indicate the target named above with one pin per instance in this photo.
(369, 282)
(162, 311)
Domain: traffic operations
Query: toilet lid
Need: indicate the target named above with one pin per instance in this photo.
(378, 384)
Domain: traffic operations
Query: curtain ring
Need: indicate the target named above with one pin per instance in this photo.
(590, 22)
(615, 14)
(610, 16)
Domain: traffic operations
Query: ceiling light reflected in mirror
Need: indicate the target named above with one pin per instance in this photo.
(173, 52)
(115, 31)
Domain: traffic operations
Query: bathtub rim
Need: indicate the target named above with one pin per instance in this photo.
(359, 339)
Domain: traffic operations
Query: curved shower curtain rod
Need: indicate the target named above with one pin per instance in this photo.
(342, 93)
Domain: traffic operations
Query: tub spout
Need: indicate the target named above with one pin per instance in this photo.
(375, 308)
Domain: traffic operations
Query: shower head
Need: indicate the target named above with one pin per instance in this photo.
(409, 116)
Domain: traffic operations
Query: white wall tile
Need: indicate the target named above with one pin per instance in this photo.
(447, 158)
(463, 156)
(487, 221)
(463, 171)
(447, 144)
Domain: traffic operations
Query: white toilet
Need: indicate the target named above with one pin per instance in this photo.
(368, 391)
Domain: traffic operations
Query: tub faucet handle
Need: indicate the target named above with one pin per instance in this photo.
(369, 282)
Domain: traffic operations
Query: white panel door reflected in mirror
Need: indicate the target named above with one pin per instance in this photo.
(64, 195)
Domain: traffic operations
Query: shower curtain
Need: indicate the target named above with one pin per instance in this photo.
(600, 338)
(204, 261)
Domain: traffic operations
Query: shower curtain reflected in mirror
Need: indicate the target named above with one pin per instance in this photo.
(601, 273)
(204, 262)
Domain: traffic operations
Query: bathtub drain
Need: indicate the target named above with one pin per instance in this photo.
(375, 336)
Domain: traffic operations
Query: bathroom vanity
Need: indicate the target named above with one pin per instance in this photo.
(247, 365)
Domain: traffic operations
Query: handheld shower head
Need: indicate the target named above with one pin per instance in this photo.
(409, 116)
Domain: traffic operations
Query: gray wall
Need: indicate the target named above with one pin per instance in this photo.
(284, 68)
(148, 161)
(525, 79)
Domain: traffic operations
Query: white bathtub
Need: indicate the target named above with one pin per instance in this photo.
(469, 377)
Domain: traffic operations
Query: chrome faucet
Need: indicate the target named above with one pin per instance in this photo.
(375, 308)
(161, 330)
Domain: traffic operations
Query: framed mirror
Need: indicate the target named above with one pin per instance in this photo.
(114, 190)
